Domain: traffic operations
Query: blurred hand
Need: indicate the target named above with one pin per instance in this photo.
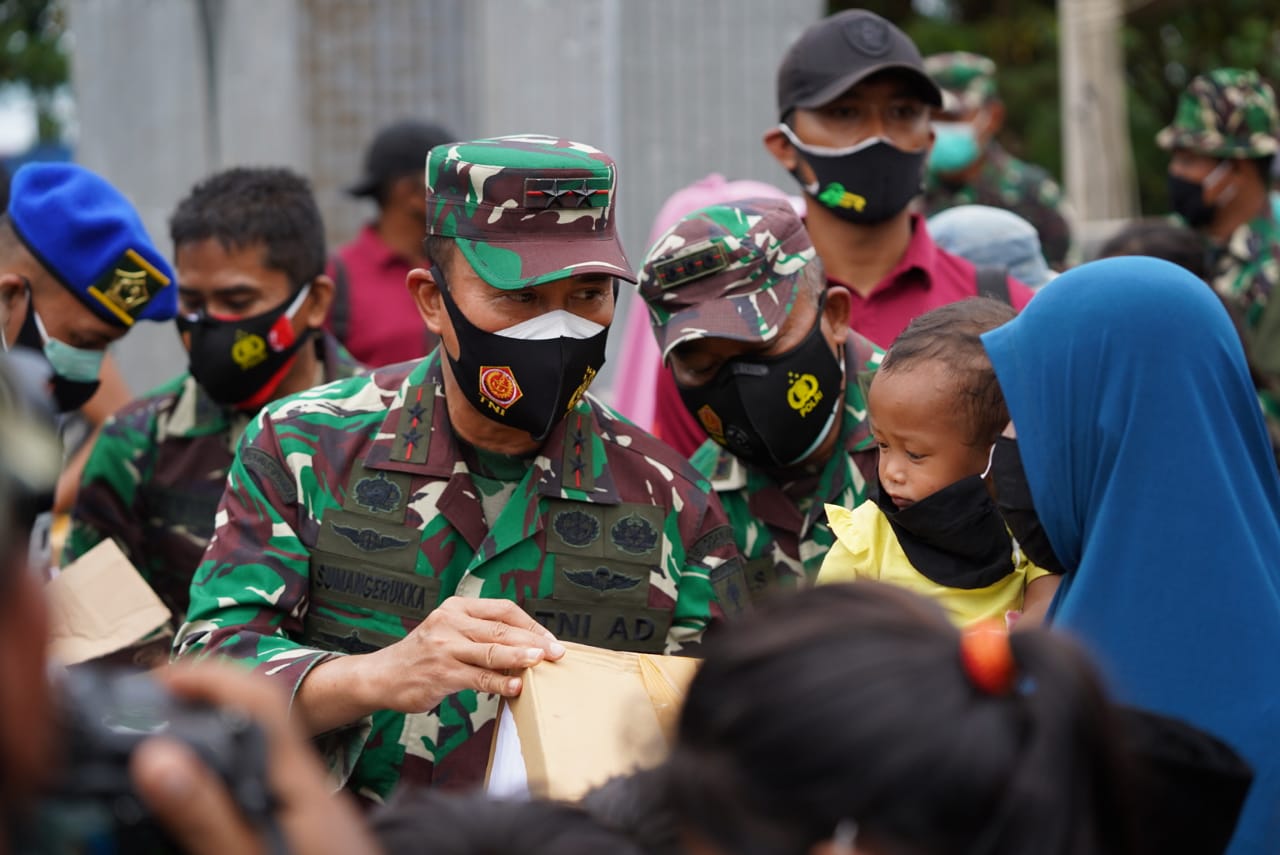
(191, 802)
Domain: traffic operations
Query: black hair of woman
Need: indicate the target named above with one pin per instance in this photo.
(842, 720)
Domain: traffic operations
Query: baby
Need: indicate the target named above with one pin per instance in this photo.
(932, 526)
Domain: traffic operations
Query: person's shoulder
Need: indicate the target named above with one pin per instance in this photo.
(143, 411)
(632, 446)
(347, 398)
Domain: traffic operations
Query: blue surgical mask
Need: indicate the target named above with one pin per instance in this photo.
(955, 147)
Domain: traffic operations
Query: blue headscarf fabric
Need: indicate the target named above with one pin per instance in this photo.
(1150, 468)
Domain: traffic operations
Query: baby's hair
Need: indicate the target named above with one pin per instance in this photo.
(951, 337)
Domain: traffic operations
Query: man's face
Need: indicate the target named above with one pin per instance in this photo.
(228, 282)
(493, 309)
(696, 363)
(1192, 166)
(64, 317)
(884, 105)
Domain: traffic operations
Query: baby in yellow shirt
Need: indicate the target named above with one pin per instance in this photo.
(932, 526)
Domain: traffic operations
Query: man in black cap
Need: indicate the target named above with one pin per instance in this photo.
(373, 314)
(853, 108)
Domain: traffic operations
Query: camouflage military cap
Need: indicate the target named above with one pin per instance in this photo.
(527, 209)
(967, 80)
(1229, 112)
(726, 271)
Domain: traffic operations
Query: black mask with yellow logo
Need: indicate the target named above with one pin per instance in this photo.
(774, 410)
(241, 362)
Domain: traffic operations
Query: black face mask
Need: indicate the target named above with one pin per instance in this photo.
(865, 184)
(240, 362)
(68, 395)
(1187, 198)
(1013, 498)
(954, 537)
(772, 411)
(526, 383)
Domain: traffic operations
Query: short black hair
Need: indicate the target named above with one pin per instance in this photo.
(951, 336)
(245, 206)
(439, 251)
(1158, 238)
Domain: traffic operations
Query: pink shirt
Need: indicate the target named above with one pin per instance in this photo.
(926, 277)
(383, 324)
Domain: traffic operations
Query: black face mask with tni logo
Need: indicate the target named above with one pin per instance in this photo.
(775, 410)
(525, 383)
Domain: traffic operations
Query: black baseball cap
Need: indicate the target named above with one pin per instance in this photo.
(398, 149)
(842, 50)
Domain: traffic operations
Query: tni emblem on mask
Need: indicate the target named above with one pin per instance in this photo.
(804, 393)
(249, 350)
(498, 387)
(711, 422)
(835, 196)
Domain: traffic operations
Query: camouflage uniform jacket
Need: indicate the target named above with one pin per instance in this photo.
(782, 543)
(155, 475)
(1012, 184)
(351, 512)
(1245, 271)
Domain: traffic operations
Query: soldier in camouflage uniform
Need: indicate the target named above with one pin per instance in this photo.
(764, 358)
(967, 166)
(246, 241)
(1223, 140)
(390, 545)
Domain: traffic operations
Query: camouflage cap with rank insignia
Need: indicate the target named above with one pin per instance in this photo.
(525, 210)
(967, 80)
(726, 271)
(89, 238)
(1227, 113)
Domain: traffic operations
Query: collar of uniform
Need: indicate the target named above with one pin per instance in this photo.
(1253, 240)
(572, 462)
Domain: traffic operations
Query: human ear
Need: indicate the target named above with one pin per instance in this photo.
(777, 144)
(836, 313)
(321, 300)
(425, 291)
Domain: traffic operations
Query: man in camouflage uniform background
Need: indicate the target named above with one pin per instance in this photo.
(968, 166)
(764, 358)
(378, 533)
(246, 242)
(1223, 140)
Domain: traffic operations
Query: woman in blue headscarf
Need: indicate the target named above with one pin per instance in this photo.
(1149, 467)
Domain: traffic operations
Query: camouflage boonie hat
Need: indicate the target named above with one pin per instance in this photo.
(1228, 113)
(967, 80)
(726, 271)
(525, 210)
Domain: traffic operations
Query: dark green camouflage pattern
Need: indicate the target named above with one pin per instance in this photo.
(1245, 271)
(780, 526)
(526, 209)
(726, 271)
(967, 80)
(155, 475)
(351, 512)
(1017, 186)
(1226, 113)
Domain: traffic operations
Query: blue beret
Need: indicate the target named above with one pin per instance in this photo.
(88, 236)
